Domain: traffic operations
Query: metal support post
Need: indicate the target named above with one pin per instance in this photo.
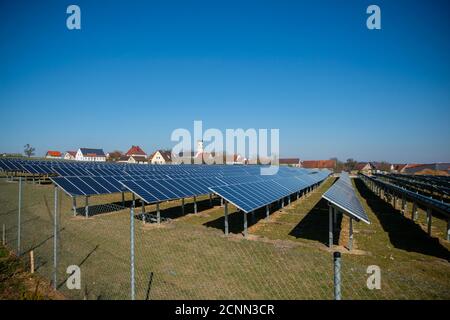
(245, 225)
(226, 217)
(132, 252)
(350, 235)
(330, 225)
(19, 217)
(55, 239)
(267, 212)
(429, 217)
(86, 207)
(158, 213)
(195, 205)
(74, 206)
(182, 206)
(337, 275)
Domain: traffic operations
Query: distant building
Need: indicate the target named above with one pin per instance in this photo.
(136, 151)
(87, 154)
(397, 167)
(70, 155)
(53, 155)
(235, 159)
(365, 167)
(318, 164)
(161, 157)
(293, 162)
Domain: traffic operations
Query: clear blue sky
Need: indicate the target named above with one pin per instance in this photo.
(139, 69)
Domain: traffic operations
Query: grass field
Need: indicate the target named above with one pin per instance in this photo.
(188, 257)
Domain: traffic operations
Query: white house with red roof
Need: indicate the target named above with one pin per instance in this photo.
(70, 155)
(53, 154)
(134, 155)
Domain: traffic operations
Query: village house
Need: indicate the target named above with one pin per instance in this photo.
(161, 157)
(134, 155)
(88, 154)
(70, 155)
(291, 162)
(318, 164)
(53, 155)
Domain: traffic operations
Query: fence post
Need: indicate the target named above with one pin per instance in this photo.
(132, 251)
(337, 275)
(55, 239)
(19, 213)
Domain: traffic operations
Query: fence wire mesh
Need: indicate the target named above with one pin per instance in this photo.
(188, 256)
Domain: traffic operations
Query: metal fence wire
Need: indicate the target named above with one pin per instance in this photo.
(186, 256)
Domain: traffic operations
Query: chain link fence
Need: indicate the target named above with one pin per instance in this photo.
(187, 256)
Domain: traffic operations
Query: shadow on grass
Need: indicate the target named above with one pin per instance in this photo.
(97, 209)
(403, 233)
(176, 211)
(236, 219)
(314, 226)
(79, 265)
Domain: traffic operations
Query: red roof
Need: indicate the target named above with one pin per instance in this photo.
(72, 153)
(319, 164)
(53, 153)
(135, 150)
(289, 161)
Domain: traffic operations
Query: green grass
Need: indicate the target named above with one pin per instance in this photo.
(285, 257)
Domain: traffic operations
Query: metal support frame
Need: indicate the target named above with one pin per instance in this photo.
(289, 200)
(132, 282)
(337, 275)
(195, 204)
(19, 217)
(158, 213)
(414, 213)
(133, 202)
(448, 229)
(330, 226)
(74, 206)
(86, 207)
(226, 217)
(123, 199)
(182, 206)
(143, 212)
(245, 225)
(403, 205)
(210, 199)
(429, 218)
(221, 202)
(350, 235)
(267, 212)
(55, 240)
(282, 203)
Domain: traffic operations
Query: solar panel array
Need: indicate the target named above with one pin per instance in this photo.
(342, 194)
(156, 183)
(440, 206)
(254, 195)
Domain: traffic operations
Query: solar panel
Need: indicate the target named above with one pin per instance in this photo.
(342, 195)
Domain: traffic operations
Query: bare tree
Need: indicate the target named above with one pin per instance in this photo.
(29, 150)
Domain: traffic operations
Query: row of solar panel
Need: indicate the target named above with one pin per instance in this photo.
(439, 205)
(342, 195)
(107, 169)
(251, 196)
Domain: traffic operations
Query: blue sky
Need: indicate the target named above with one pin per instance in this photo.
(140, 69)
